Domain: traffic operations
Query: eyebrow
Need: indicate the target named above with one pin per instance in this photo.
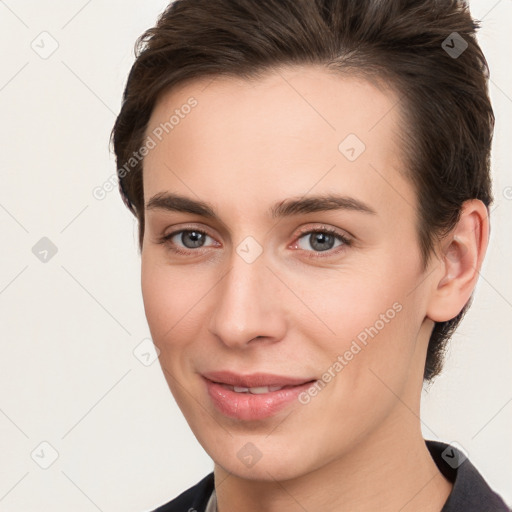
(286, 208)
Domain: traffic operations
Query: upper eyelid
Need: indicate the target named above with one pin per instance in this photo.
(301, 231)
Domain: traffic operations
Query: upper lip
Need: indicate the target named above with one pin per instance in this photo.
(254, 380)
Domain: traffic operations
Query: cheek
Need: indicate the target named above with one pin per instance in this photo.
(169, 296)
(375, 319)
(357, 302)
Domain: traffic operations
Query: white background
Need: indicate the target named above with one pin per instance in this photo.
(68, 374)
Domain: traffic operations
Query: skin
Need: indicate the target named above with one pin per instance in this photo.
(247, 145)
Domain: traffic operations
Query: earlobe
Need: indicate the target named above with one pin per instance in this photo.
(460, 260)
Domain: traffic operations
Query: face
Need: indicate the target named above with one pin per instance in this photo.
(317, 306)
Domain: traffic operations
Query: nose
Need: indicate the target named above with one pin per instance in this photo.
(248, 305)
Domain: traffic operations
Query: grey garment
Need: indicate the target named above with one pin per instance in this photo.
(471, 492)
(211, 506)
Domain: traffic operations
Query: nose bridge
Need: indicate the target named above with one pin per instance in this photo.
(245, 304)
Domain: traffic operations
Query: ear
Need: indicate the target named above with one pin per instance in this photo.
(462, 253)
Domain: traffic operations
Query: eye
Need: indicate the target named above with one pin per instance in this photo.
(191, 239)
(321, 240)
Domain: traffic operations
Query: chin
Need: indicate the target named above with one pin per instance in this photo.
(252, 458)
(271, 470)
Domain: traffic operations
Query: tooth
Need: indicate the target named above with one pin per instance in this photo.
(255, 391)
(259, 391)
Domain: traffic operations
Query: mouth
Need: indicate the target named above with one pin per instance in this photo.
(253, 397)
(259, 390)
(255, 380)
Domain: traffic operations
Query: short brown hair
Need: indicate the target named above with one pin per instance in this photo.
(449, 120)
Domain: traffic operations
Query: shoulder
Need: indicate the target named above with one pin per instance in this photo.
(193, 499)
(470, 493)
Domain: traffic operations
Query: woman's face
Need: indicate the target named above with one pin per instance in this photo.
(338, 316)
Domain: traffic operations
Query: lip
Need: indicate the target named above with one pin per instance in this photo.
(254, 379)
(249, 407)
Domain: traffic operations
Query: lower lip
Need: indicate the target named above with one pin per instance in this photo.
(249, 407)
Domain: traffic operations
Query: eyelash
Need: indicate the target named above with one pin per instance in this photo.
(166, 240)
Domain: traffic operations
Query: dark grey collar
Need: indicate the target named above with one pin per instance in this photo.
(470, 492)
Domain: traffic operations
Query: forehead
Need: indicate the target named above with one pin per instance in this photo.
(292, 131)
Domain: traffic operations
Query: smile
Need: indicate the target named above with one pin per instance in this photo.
(253, 397)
